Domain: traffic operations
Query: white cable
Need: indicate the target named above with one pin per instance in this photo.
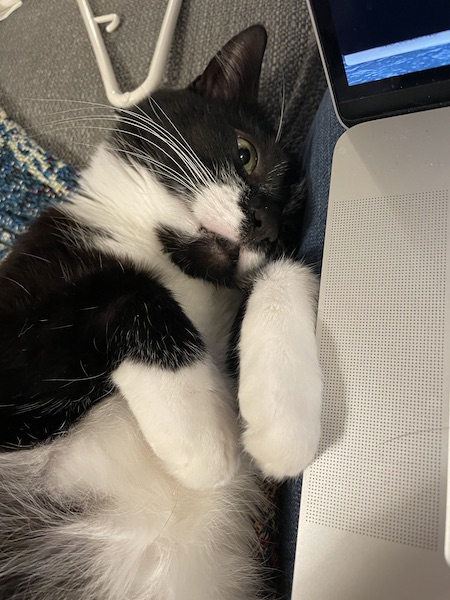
(159, 59)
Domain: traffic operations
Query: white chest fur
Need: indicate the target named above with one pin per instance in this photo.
(212, 310)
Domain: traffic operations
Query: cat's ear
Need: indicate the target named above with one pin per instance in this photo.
(233, 74)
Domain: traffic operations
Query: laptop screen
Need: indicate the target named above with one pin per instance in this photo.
(384, 56)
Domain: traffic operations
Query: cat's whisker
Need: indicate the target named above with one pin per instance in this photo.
(185, 181)
(198, 166)
(84, 104)
(179, 146)
(71, 101)
(74, 379)
(52, 126)
(279, 170)
(36, 256)
(17, 283)
(282, 110)
(176, 150)
(79, 109)
(174, 144)
(153, 102)
(167, 138)
(161, 169)
(77, 119)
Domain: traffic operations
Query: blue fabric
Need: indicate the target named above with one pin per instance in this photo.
(319, 147)
(318, 153)
(30, 179)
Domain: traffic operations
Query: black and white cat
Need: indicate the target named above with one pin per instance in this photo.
(129, 460)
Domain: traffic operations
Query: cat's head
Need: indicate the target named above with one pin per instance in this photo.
(211, 147)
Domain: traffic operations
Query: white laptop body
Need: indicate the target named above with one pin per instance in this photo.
(375, 509)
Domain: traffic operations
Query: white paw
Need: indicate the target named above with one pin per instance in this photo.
(283, 436)
(204, 458)
(280, 387)
(188, 418)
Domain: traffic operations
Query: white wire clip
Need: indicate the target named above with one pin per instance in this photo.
(159, 60)
(113, 21)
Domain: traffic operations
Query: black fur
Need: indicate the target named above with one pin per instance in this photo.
(210, 257)
(68, 317)
(66, 311)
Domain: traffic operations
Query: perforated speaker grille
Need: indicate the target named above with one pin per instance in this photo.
(382, 351)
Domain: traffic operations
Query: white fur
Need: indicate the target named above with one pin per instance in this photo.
(187, 418)
(280, 385)
(217, 209)
(128, 204)
(157, 539)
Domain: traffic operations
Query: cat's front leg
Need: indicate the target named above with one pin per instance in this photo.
(280, 384)
(188, 417)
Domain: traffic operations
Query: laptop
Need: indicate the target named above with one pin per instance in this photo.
(375, 509)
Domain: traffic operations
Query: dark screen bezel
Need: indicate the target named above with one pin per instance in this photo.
(376, 99)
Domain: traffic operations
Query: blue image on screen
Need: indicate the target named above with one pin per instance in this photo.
(397, 59)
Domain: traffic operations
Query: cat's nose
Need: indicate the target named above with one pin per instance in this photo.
(265, 224)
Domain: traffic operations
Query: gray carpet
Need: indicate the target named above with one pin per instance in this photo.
(46, 62)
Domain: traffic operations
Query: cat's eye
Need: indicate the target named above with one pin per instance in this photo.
(248, 156)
